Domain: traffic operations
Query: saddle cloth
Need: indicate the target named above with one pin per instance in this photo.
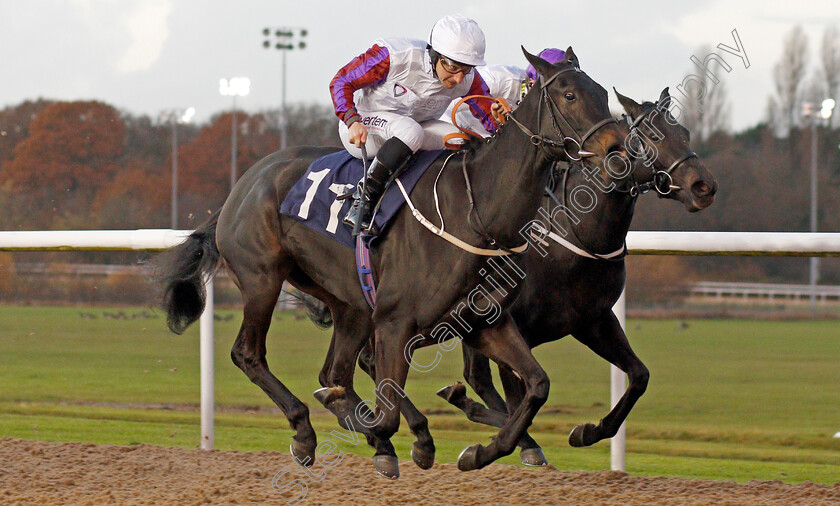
(313, 199)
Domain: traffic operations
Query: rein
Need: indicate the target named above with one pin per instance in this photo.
(466, 134)
(441, 232)
(451, 238)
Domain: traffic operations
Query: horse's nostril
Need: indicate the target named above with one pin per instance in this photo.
(616, 148)
(701, 188)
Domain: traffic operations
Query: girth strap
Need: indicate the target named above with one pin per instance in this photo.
(365, 270)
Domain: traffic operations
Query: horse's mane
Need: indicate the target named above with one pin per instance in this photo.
(475, 143)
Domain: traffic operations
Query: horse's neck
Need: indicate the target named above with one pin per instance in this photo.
(603, 228)
(507, 178)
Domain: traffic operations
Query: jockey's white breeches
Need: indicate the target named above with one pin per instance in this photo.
(381, 126)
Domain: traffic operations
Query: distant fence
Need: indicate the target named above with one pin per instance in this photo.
(76, 269)
(79, 278)
(768, 292)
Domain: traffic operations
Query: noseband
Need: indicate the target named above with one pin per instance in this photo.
(662, 180)
(559, 121)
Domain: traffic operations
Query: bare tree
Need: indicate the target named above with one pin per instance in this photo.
(788, 74)
(830, 66)
(715, 117)
(705, 107)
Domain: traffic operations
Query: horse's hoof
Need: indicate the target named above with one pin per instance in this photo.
(421, 457)
(387, 465)
(533, 457)
(303, 454)
(468, 459)
(328, 395)
(455, 391)
(583, 435)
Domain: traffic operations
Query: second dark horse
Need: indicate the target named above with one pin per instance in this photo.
(573, 293)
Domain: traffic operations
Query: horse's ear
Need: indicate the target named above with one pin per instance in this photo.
(542, 66)
(664, 97)
(571, 57)
(631, 106)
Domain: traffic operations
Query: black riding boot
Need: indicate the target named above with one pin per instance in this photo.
(365, 199)
(389, 160)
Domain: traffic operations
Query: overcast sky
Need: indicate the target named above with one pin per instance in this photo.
(144, 56)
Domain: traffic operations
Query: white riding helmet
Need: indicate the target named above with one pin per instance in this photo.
(458, 38)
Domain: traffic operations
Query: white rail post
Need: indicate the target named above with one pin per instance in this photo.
(206, 353)
(617, 388)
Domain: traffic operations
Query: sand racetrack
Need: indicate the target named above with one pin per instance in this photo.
(34, 472)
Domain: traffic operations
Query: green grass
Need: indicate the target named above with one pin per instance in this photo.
(730, 399)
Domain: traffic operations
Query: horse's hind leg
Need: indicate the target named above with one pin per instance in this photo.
(606, 338)
(351, 329)
(531, 453)
(423, 449)
(259, 293)
(478, 375)
(505, 346)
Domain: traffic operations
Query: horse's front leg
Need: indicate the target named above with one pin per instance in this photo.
(351, 328)
(505, 346)
(423, 449)
(391, 368)
(606, 338)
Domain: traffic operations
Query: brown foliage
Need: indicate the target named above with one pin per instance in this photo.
(659, 279)
(73, 149)
(205, 163)
(7, 272)
(14, 125)
(85, 139)
(136, 198)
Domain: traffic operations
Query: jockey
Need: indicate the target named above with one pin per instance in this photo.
(505, 81)
(390, 98)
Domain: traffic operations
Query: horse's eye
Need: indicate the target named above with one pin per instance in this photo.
(569, 96)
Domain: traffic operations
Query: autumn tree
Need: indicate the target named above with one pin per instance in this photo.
(205, 163)
(137, 197)
(72, 150)
(313, 125)
(14, 125)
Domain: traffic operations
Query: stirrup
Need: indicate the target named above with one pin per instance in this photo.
(356, 213)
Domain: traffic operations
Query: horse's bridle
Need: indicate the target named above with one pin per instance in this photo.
(662, 180)
(539, 139)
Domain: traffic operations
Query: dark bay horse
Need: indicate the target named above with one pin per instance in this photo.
(573, 293)
(423, 281)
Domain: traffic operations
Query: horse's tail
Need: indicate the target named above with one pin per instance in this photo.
(316, 310)
(182, 269)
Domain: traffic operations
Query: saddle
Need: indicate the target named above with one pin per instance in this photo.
(319, 198)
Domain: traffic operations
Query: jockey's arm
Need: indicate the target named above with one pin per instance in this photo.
(367, 69)
(487, 112)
